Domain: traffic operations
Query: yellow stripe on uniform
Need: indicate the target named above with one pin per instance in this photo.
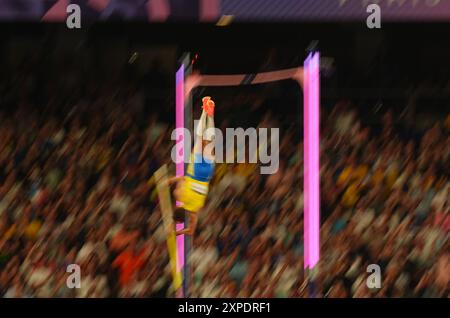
(193, 194)
(166, 212)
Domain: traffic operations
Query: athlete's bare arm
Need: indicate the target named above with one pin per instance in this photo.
(174, 179)
(193, 219)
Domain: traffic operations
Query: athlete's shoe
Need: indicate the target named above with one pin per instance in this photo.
(208, 105)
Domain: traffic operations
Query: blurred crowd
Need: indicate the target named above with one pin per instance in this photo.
(76, 157)
(76, 188)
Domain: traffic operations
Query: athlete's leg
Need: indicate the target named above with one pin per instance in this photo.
(205, 133)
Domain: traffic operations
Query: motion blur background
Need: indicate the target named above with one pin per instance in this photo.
(86, 118)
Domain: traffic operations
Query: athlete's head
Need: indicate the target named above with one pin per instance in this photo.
(179, 215)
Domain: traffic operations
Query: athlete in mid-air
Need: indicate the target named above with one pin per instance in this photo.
(191, 190)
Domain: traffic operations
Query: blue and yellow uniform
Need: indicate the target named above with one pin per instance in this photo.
(196, 183)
